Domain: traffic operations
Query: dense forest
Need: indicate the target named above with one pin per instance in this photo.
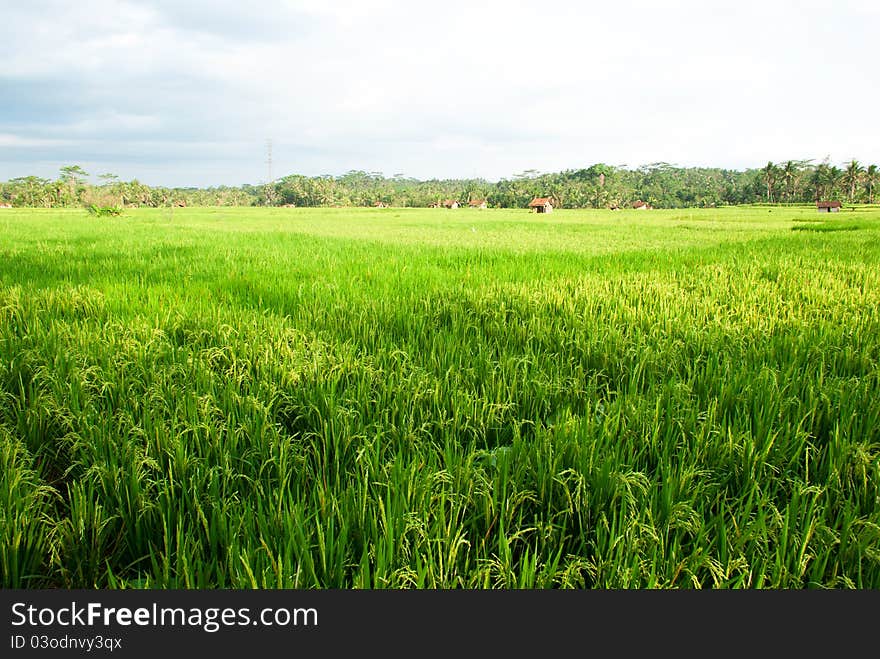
(600, 186)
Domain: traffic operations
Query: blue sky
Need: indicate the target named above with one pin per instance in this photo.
(188, 93)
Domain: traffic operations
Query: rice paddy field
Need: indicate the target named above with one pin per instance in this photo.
(426, 398)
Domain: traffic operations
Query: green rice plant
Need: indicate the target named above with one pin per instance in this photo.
(26, 521)
(328, 398)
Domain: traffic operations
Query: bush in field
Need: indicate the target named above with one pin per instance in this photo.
(103, 211)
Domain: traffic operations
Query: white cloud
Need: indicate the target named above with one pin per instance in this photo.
(454, 89)
(17, 141)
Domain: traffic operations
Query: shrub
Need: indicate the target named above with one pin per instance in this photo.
(102, 211)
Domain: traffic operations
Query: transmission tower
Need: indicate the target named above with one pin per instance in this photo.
(270, 192)
(269, 159)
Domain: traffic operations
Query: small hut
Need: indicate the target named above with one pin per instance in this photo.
(449, 203)
(828, 206)
(478, 203)
(541, 205)
(640, 205)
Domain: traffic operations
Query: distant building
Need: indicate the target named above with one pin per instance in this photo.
(541, 205)
(449, 203)
(641, 205)
(380, 204)
(478, 203)
(828, 206)
(5, 205)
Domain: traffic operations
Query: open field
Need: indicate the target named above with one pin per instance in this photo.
(360, 398)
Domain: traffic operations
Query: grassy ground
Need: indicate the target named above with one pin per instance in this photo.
(377, 398)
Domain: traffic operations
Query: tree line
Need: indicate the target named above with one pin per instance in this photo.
(599, 186)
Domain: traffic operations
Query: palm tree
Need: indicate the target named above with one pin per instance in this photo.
(771, 175)
(790, 171)
(74, 177)
(871, 178)
(818, 180)
(851, 177)
(31, 191)
(834, 177)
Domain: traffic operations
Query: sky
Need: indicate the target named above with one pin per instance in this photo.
(194, 93)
